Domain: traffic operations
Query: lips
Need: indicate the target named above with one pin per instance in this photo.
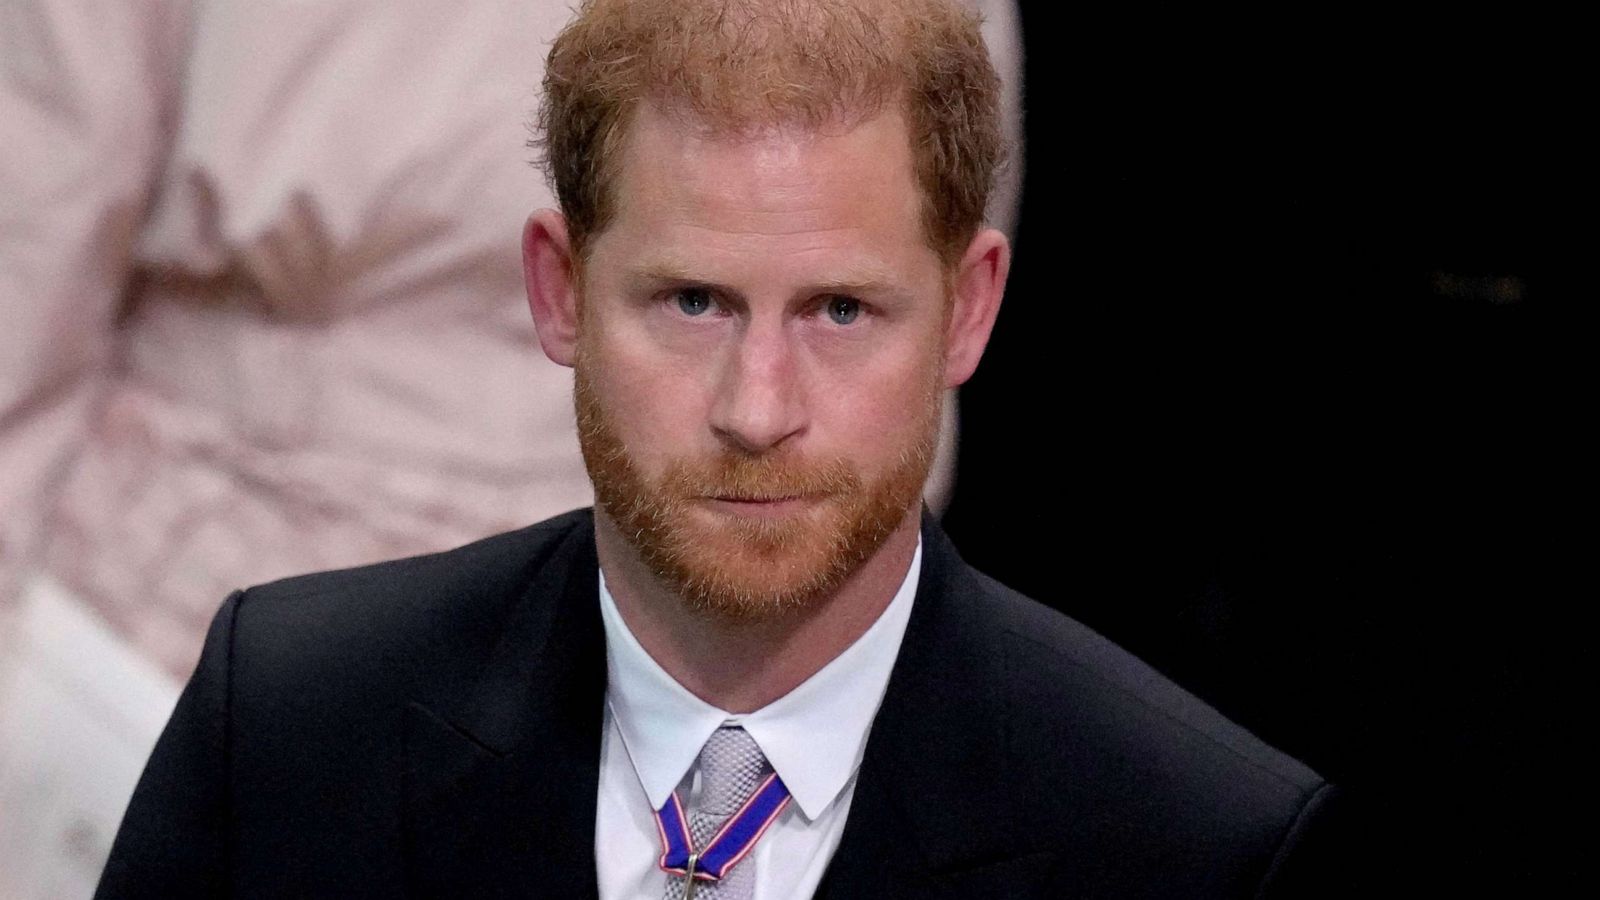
(760, 505)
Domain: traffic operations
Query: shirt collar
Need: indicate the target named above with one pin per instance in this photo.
(814, 736)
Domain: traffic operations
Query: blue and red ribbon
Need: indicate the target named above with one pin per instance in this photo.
(731, 843)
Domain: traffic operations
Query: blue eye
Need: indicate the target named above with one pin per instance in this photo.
(694, 301)
(843, 310)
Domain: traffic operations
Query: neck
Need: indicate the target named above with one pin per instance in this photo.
(741, 666)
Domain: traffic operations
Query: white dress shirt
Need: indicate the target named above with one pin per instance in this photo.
(814, 736)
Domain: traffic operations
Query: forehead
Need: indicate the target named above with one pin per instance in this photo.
(845, 191)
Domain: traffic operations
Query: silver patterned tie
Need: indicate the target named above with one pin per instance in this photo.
(731, 767)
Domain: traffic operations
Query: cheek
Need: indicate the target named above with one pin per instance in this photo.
(881, 409)
(651, 399)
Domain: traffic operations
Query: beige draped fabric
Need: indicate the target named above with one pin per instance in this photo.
(265, 306)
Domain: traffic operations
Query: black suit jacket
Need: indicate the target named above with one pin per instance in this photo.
(432, 727)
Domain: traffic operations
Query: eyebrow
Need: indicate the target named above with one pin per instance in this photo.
(866, 281)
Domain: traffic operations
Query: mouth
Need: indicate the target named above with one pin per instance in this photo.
(765, 505)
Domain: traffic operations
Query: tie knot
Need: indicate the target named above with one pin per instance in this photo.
(731, 766)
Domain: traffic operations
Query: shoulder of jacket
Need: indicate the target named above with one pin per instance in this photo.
(1056, 659)
(419, 617)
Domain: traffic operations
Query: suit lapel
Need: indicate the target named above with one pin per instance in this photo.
(931, 799)
(500, 788)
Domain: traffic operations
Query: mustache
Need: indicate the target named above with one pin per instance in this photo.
(760, 478)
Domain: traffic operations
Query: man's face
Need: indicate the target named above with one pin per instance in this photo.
(759, 360)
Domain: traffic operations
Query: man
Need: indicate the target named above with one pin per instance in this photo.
(756, 670)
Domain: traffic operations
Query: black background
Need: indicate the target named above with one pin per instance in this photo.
(1283, 399)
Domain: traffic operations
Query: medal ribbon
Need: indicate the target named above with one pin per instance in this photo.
(731, 843)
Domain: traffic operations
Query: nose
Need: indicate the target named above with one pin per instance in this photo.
(760, 402)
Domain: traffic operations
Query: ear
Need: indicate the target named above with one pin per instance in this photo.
(979, 283)
(551, 276)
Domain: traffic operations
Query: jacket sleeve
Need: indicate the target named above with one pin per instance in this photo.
(174, 839)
